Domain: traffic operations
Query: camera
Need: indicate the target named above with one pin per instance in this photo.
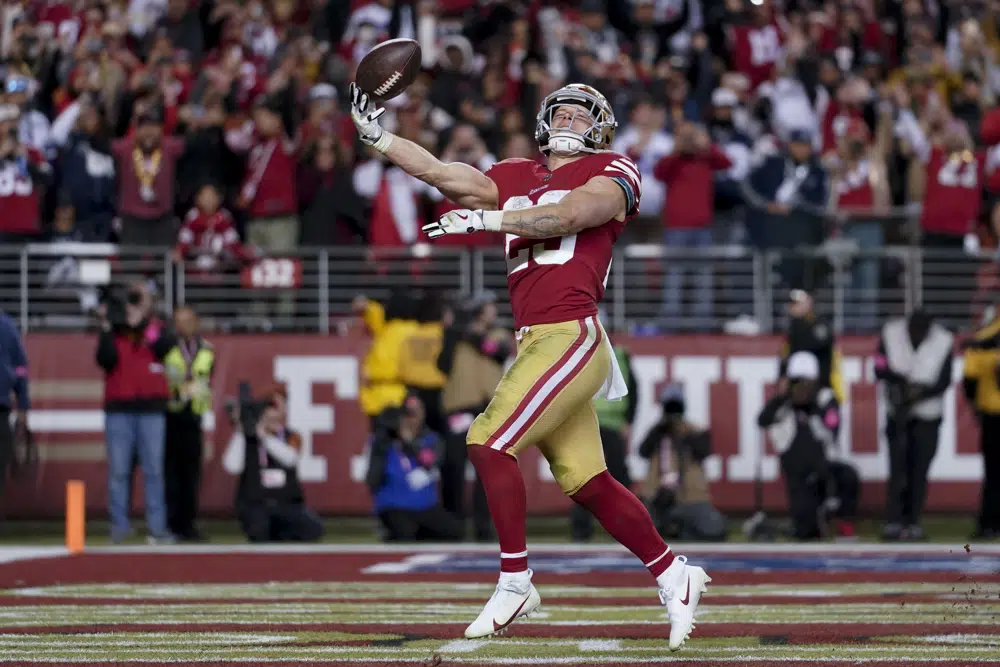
(244, 410)
(116, 302)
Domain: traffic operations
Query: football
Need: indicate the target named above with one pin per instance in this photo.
(388, 69)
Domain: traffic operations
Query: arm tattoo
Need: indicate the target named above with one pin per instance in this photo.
(537, 222)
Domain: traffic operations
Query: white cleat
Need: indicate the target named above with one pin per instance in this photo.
(681, 589)
(513, 599)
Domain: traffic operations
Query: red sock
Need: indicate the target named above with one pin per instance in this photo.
(626, 519)
(508, 502)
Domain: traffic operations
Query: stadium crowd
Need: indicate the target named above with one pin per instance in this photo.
(221, 128)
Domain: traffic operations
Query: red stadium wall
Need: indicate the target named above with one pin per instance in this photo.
(726, 379)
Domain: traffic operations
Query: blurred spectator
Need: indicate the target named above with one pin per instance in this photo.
(268, 194)
(812, 333)
(147, 167)
(24, 178)
(270, 503)
(389, 326)
(676, 488)
(403, 478)
(914, 365)
(130, 351)
(788, 195)
(802, 422)
(34, 127)
(208, 238)
(189, 367)
(644, 141)
(86, 169)
(13, 385)
(473, 353)
(418, 358)
(689, 175)
(332, 213)
(981, 385)
(862, 199)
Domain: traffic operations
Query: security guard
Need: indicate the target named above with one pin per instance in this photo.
(418, 357)
(189, 366)
(389, 326)
(615, 420)
(982, 389)
(914, 367)
(809, 333)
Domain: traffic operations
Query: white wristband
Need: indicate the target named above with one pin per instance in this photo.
(492, 220)
(382, 145)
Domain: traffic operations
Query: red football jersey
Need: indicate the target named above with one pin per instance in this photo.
(560, 279)
(20, 197)
(953, 193)
(755, 51)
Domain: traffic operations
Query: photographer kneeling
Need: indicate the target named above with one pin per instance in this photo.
(403, 477)
(264, 453)
(676, 488)
(802, 424)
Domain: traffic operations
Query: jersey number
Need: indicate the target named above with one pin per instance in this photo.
(538, 253)
(764, 46)
(959, 174)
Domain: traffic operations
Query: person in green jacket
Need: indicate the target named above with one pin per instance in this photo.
(615, 419)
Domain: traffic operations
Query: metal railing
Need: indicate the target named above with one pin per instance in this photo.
(53, 287)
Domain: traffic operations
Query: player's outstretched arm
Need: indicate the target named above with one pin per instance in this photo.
(463, 184)
(590, 205)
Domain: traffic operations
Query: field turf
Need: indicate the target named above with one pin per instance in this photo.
(363, 604)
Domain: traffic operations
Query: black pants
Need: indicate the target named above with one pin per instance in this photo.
(989, 513)
(431, 398)
(453, 488)
(6, 447)
(912, 446)
(182, 471)
(845, 484)
(806, 486)
(434, 524)
(615, 451)
(269, 521)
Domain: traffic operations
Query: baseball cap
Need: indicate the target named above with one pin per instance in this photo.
(803, 366)
(800, 135)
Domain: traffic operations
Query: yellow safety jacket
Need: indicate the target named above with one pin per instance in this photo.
(419, 355)
(189, 379)
(982, 367)
(381, 386)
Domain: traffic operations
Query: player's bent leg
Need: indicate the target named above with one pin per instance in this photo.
(558, 366)
(576, 457)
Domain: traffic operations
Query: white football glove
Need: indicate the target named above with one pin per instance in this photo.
(464, 221)
(365, 117)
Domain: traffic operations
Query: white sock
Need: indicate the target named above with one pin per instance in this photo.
(669, 577)
(517, 581)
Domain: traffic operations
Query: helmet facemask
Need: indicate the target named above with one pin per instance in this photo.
(565, 140)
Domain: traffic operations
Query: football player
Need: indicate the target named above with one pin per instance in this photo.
(561, 221)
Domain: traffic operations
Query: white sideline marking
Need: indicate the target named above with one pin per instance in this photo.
(406, 565)
(704, 548)
(596, 645)
(462, 646)
(14, 554)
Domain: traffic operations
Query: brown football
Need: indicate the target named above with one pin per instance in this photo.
(388, 69)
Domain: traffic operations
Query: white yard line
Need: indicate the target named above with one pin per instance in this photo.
(541, 549)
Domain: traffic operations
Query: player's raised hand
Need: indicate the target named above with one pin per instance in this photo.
(365, 116)
(464, 221)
